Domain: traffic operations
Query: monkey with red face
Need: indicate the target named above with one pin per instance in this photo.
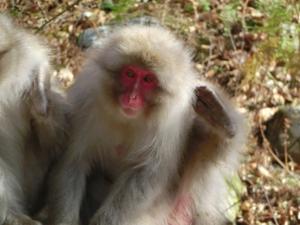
(138, 84)
(132, 116)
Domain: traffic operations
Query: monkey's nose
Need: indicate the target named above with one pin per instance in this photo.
(134, 100)
(133, 97)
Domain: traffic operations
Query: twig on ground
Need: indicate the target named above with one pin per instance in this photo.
(270, 206)
(56, 16)
(266, 143)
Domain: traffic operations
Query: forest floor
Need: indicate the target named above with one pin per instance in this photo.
(250, 48)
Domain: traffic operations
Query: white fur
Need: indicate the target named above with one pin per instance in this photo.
(24, 93)
(155, 145)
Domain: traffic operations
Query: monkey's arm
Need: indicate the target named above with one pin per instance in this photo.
(66, 192)
(11, 196)
(7, 193)
(212, 155)
(132, 193)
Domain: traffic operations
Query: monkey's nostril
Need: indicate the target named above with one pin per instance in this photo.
(133, 97)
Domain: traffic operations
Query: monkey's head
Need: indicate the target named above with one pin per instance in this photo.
(143, 70)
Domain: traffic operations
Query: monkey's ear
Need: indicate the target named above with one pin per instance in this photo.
(209, 106)
(39, 92)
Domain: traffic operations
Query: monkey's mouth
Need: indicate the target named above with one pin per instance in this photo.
(130, 112)
(128, 107)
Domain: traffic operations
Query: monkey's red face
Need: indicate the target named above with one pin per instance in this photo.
(137, 85)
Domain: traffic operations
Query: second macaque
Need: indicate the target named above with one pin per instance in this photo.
(32, 121)
(164, 139)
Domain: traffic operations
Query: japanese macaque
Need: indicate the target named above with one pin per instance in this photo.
(31, 123)
(164, 139)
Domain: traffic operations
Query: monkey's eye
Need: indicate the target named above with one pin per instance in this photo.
(149, 79)
(129, 73)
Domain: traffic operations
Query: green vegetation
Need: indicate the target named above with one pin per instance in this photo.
(118, 8)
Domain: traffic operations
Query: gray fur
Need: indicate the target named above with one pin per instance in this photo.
(30, 124)
(142, 179)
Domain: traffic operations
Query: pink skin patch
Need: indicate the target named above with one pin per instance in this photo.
(136, 84)
(182, 213)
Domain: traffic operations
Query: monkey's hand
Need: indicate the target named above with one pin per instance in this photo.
(20, 220)
(131, 195)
